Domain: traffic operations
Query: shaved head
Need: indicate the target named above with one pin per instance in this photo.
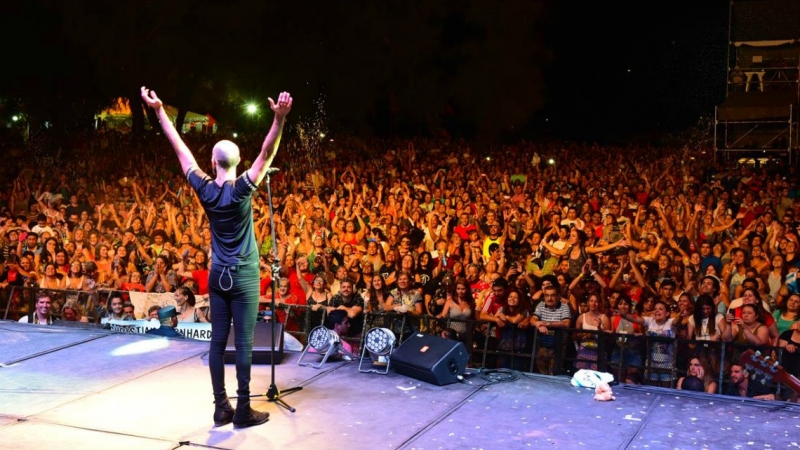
(226, 154)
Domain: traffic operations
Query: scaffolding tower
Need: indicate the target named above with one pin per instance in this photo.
(760, 112)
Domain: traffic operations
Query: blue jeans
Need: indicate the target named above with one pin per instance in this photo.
(233, 293)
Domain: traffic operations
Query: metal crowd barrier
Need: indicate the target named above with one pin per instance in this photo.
(642, 359)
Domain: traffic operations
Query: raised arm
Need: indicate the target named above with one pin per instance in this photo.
(269, 148)
(181, 150)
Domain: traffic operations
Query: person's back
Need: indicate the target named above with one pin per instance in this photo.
(234, 275)
(168, 317)
(228, 209)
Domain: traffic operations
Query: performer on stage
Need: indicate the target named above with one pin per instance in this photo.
(233, 280)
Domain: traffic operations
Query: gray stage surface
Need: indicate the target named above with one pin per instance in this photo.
(90, 389)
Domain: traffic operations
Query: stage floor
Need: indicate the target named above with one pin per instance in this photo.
(71, 388)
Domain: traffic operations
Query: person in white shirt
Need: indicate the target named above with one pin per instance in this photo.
(41, 315)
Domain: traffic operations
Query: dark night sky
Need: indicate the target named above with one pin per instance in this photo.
(476, 68)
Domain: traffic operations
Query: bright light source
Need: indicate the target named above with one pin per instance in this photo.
(379, 341)
(488, 158)
(235, 135)
(551, 161)
(252, 108)
(141, 347)
(15, 118)
(321, 339)
(322, 135)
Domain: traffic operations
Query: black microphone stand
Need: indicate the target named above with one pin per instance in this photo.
(274, 394)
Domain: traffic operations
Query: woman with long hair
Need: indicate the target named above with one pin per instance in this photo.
(747, 329)
(459, 307)
(659, 325)
(699, 367)
(751, 296)
(789, 341)
(594, 320)
(512, 318)
(47, 255)
(62, 262)
(377, 294)
(711, 323)
(787, 314)
(75, 280)
(317, 300)
(577, 250)
(184, 304)
(627, 350)
(776, 279)
(51, 279)
(104, 261)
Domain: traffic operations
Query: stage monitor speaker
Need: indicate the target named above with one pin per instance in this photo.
(430, 358)
(262, 343)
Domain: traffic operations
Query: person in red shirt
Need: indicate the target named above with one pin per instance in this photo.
(464, 226)
(199, 275)
(750, 209)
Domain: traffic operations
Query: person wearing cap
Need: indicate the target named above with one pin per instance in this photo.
(168, 317)
(234, 275)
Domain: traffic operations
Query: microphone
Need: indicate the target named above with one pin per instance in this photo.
(272, 170)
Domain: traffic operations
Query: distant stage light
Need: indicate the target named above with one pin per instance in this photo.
(252, 108)
(15, 118)
(322, 135)
(235, 135)
(551, 161)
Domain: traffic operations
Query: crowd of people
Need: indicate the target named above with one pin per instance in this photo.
(531, 237)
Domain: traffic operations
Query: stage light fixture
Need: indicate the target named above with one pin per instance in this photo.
(325, 342)
(321, 338)
(379, 342)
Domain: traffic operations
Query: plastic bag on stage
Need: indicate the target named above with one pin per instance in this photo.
(590, 378)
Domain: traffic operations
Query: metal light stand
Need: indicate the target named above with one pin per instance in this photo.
(273, 394)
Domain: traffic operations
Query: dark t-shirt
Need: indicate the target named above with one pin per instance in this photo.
(230, 214)
(791, 361)
(165, 331)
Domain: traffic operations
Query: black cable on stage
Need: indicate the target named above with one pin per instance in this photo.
(499, 375)
(118, 433)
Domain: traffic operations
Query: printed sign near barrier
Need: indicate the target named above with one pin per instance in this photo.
(196, 331)
(142, 301)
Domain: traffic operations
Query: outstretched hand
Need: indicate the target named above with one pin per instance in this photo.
(151, 99)
(283, 106)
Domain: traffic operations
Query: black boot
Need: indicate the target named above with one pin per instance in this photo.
(246, 416)
(223, 411)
